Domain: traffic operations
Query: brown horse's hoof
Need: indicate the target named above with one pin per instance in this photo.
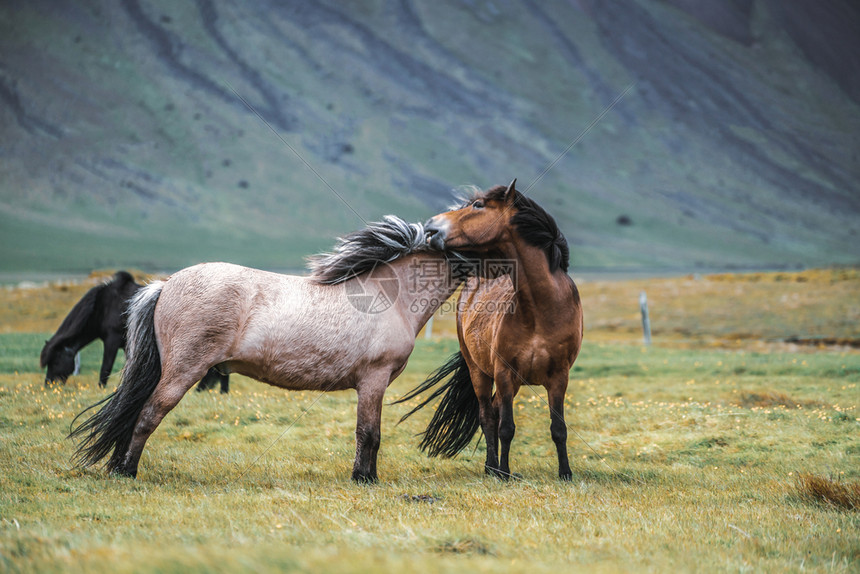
(123, 474)
(496, 472)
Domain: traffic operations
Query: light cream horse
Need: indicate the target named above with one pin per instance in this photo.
(350, 325)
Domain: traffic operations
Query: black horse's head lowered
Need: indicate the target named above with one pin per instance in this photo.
(98, 315)
(63, 363)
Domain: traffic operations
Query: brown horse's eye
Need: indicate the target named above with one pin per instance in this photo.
(478, 204)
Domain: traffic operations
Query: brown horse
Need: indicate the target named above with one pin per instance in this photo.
(350, 325)
(523, 328)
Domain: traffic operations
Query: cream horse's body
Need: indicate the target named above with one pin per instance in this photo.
(284, 330)
(350, 325)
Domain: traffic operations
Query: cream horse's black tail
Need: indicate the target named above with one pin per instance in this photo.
(112, 427)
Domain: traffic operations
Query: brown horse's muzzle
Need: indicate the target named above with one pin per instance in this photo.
(436, 234)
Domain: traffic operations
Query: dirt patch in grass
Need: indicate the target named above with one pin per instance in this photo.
(426, 498)
(850, 342)
(822, 490)
(770, 399)
(465, 546)
(825, 276)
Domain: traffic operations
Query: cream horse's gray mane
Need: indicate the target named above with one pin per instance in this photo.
(361, 250)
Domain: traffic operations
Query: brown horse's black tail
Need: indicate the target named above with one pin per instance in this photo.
(456, 419)
(112, 427)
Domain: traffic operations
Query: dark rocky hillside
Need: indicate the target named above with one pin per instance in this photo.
(157, 134)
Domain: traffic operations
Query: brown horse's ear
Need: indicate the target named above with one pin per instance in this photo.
(511, 192)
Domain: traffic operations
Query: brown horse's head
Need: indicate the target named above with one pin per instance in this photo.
(498, 223)
(484, 222)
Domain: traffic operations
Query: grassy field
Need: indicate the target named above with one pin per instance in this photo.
(698, 453)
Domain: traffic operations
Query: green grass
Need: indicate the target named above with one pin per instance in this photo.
(680, 463)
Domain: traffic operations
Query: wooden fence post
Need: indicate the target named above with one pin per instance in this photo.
(646, 322)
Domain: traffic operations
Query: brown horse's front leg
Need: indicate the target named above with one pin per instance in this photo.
(558, 428)
(367, 430)
(488, 417)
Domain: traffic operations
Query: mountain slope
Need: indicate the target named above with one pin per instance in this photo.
(158, 134)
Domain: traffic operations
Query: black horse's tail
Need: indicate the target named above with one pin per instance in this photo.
(456, 419)
(112, 427)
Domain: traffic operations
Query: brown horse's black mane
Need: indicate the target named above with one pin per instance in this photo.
(361, 250)
(535, 226)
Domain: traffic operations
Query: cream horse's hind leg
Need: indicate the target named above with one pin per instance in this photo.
(169, 391)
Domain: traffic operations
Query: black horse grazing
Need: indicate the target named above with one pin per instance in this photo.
(100, 314)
